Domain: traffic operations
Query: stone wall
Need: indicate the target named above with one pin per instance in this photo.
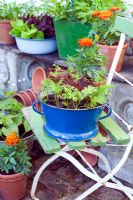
(16, 68)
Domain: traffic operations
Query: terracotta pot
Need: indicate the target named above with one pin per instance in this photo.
(27, 98)
(13, 187)
(39, 74)
(32, 94)
(20, 98)
(109, 52)
(5, 28)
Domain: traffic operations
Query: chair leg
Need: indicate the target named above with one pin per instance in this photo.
(117, 184)
(111, 174)
(38, 174)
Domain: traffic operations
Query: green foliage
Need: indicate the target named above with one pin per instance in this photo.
(90, 62)
(71, 97)
(14, 159)
(11, 117)
(12, 10)
(84, 9)
(107, 34)
(78, 9)
(23, 30)
(57, 9)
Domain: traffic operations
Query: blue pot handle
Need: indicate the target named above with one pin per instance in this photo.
(34, 107)
(108, 114)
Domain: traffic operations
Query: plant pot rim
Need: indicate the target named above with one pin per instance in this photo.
(66, 109)
(5, 21)
(72, 20)
(35, 40)
(36, 79)
(111, 47)
(32, 92)
(7, 176)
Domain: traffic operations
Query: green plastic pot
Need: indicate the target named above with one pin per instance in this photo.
(67, 34)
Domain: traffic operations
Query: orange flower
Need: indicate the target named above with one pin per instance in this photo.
(105, 14)
(114, 9)
(95, 13)
(12, 139)
(85, 42)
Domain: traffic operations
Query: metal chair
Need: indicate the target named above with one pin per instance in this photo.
(115, 133)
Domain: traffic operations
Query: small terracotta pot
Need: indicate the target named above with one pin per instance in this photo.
(39, 74)
(13, 187)
(109, 52)
(5, 28)
(20, 98)
(32, 94)
(27, 97)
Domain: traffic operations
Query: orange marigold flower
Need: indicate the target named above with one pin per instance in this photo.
(12, 139)
(95, 13)
(85, 42)
(113, 9)
(105, 14)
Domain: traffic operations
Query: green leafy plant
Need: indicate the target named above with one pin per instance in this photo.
(88, 61)
(14, 156)
(80, 10)
(84, 9)
(13, 10)
(23, 30)
(11, 117)
(66, 88)
(105, 18)
(67, 96)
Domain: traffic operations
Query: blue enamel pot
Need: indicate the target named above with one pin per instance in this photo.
(71, 125)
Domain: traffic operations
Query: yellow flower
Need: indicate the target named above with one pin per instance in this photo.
(96, 37)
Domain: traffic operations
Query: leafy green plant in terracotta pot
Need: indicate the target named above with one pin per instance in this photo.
(14, 166)
(8, 12)
(34, 34)
(71, 104)
(104, 32)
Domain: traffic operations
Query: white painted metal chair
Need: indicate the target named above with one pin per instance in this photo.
(124, 26)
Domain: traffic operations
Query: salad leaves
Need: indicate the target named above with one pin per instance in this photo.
(23, 30)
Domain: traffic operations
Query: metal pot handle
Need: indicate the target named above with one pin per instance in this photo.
(108, 114)
(34, 106)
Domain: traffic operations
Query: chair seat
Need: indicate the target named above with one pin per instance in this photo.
(51, 145)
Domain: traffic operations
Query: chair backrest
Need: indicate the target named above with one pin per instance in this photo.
(125, 26)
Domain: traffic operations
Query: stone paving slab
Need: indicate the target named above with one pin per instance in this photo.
(62, 181)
